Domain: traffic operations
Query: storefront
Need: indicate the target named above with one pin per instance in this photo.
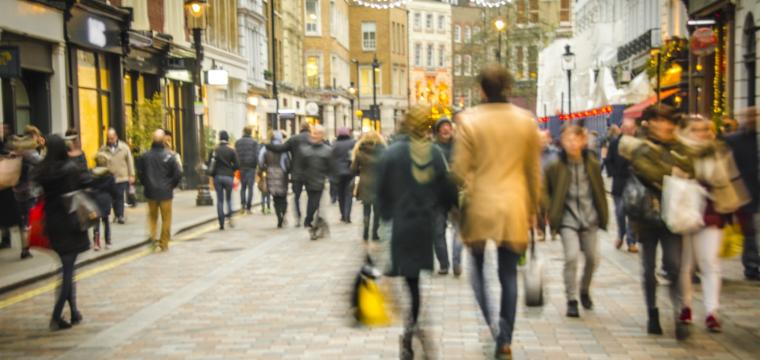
(96, 33)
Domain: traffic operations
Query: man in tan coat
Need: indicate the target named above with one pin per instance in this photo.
(496, 161)
(122, 166)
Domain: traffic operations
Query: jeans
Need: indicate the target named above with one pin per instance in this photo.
(298, 187)
(280, 207)
(441, 245)
(750, 257)
(247, 180)
(312, 206)
(507, 269)
(266, 201)
(106, 229)
(165, 208)
(345, 196)
(624, 231)
(118, 202)
(573, 243)
(370, 213)
(702, 246)
(67, 290)
(649, 236)
(223, 187)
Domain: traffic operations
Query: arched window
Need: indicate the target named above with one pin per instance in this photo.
(457, 33)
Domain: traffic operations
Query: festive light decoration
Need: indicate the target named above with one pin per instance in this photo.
(492, 3)
(381, 4)
(669, 53)
(604, 110)
(719, 78)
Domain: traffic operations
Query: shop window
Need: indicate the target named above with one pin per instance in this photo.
(23, 106)
(94, 101)
(313, 71)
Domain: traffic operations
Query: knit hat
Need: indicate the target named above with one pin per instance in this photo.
(441, 121)
(343, 131)
(223, 136)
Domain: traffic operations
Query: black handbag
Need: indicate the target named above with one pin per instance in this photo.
(640, 203)
(83, 208)
(211, 165)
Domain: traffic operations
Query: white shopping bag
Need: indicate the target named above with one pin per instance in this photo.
(683, 204)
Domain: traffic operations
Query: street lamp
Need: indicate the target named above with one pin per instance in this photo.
(568, 64)
(358, 93)
(375, 110)
(500, 25)
(197, 22)
(352, 91)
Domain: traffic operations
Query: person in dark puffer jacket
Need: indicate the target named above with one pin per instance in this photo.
(225, 164)
(247, 150)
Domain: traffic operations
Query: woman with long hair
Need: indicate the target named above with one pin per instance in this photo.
(364, 158)
(58, 175)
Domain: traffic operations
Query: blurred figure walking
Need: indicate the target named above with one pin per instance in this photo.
(75, 148)
(316, 166)
(295, 145)
(365, 157)
(341, 155)
(618, 168)
(413, 187)
(444, 141)
(247, 150)
(223, 163)
(58, 175)
(576, 204)
(32, 149)
(103, 190)
(496, 161)
(159, 173)
(122, 166)
(277, 168)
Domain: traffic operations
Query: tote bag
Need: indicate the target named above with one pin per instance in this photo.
(683, 204)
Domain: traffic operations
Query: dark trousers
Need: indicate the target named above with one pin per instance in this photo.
(650, 237)
(266, 201)
(298, 187)
(370, 213)
(624, 228)
(118, 202)
(223, 187)
(345, 196)
(750, 257)
(334, 193)
(247, 180)
(312, 206)
(413, 284)
(106, 229)
(67, 290)
(280, 207)
(507, 264)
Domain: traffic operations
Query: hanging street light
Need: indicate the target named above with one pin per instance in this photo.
(381, 4)
(568, 64)
(500, 26)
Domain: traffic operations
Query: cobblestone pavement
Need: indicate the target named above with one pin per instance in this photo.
(255, 292)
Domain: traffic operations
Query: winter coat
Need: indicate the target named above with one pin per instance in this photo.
(294, 145)
(366, 156)
(316, 165)
(341, 156)
(618, 168)
(277, 172)
(247, 150)
(744, 147)
(61, 227)
(557, 183)
(103, 191)
(226, 160)
(120, 162)
(446, 149)
(159, 173)
(412, 206)
(651, 160)
(9, 210)
(496, 160)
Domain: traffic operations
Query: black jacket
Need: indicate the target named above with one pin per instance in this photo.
(248, 152)
(341, 156)
(618, 168)
(315, 165)
(103, 191)
(744, 147)
(446, 149)
(159, 173)
(226, 160)
(294, 145)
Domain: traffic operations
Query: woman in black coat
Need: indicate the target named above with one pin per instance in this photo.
(58, 175)
(413, 186)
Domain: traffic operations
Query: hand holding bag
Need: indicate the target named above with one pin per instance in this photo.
(10, 171)
(211, 165)
(37, 237)
(683, 204)
(83, 208)
(640, 203)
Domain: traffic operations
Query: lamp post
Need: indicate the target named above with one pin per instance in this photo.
(273, 46)
(358, 93)
(500, 25)
(568, 64)
(375, 110)
(197, 22)
(352, 91)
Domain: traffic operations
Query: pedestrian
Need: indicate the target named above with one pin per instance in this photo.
(58, 175)
(618, 168)
(294, 145)
(652, 158)
(444, 141)
(75, 148)
(169, 145)
(341, 157)
(32, 149)
(743, 144)
(247, 150)
(261, 182)
(496, 161)
(549, 153)
(224, 162)
(576, 205)
(122, 166)
(714, 169)
(316, 166)
(413, 187)
(159, 173)
(10, 214)
(103, 190)
(366, 154)
(277, 168)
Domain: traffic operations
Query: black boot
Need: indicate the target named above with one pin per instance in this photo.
(407, 352)
(653, 325)
(365, 235)
(586, 301)
(572, 309)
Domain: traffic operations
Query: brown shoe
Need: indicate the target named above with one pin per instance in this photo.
(633, 249)
(504, 352)
(618, 243)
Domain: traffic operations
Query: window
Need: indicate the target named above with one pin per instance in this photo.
(417, 54)
(533, 62)
(564, 10)
(429, 54)
(313, 69)
(519, 62)
(369, 40)
(521, 12)
(417, 21)
(441, 23)
(312, 17)
(93, 93)
(534, 11)
(467, 65)
(476, 30)
(333, 19)
(429, 22)
(403, 39)
(457, 33)
(365, 80)
(441, 56)
(457, 65)
(467, 34)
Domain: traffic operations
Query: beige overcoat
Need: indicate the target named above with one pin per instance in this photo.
(496, 160)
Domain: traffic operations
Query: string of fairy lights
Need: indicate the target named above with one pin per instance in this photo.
(389, 4)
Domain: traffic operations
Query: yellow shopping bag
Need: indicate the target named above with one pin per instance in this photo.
(733, 241)
(371, 310)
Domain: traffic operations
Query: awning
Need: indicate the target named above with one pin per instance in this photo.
(635, 111)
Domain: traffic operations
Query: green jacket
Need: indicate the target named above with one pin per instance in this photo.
(652, 160)
(557, 183)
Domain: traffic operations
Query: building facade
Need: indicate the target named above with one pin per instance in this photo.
(254, 47)
(430, 68)
(289, 60)
(390, 78)
(469, 43)
(746, 56)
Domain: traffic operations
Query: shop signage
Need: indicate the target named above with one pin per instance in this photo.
(10, 62)
(94, 31)
(199, 108)
(699, 5)
(703, 41)
(180, 63)
(217, 77)
(312, 109)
